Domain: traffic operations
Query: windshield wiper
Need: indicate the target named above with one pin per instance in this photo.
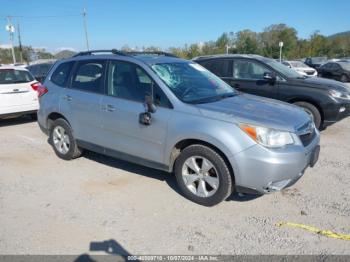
(212, 98)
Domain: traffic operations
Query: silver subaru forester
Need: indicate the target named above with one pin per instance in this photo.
(167, 113)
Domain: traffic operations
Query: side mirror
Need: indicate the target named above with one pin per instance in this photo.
(150, 108)
(270, 77)
(145, 118)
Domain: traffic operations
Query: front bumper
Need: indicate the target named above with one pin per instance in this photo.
(341, 111)
(261, 170)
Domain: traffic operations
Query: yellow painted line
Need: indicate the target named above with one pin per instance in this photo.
(315, 230)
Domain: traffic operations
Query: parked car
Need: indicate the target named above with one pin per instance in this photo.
(39, 71)
(324, 100)
(315, 62)
(18, 94)
(336, 70)
(172, 114)
(300, 68)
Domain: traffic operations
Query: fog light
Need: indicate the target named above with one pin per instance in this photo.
(342, 109)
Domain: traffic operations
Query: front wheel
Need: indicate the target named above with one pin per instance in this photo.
(312, 111)
(203, 175)
(62, 140)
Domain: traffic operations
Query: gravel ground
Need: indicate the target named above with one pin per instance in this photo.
(51, 206)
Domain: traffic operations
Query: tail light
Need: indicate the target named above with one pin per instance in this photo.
(35, 86)
(42, 90)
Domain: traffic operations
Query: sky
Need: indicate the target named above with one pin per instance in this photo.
(58, 24)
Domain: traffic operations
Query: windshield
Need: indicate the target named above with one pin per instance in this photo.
(12, 76)
(298, 64)
(192, 83)
(286, 71)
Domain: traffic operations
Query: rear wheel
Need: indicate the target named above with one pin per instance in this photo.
(344, 79)
(312, 111)
(203, 176)
(62, 140)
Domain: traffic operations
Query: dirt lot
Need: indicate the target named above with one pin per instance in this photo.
(50, 206)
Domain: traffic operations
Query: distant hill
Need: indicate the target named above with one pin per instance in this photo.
(342, 34)
(64, 54)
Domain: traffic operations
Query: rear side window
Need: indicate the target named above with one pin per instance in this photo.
(13, 76)
(220, 67)
(61, 74)
(88, 76)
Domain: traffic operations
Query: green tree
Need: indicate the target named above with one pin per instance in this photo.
(247, 42)
(274, 34)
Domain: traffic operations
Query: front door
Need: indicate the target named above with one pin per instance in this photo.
(127, 86)
(248, 77)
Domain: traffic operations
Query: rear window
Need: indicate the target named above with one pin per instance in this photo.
(13, 76)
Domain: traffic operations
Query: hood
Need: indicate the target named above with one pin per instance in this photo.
(322, 83)
(254, 110)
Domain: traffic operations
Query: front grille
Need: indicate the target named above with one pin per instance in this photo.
(310, 73)
(306, 139)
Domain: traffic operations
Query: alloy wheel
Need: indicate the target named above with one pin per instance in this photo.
(61, 140)
(200, 176)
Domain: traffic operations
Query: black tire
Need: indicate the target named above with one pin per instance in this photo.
(344, 79)
(223, 173)
(74, 151)
(311, 109)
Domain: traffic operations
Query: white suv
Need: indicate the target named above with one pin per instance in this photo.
(18, 94)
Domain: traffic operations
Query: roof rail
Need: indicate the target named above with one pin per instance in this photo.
(160, 53)
(90, 52)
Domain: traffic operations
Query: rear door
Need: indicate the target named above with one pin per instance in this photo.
(80, 102)
(127, 86)
(248, 77)
(16, 90)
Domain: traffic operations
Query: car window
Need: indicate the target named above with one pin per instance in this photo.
(192, 83)
(88, 76)
(61, 74)
(44, 68)
(335, 66)
(131, 82)
(245, 69)
(13, 76)
(327, 66)
(220, 67)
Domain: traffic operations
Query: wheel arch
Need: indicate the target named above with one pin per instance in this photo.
(310, 101)
(181, 145)
(54, 116)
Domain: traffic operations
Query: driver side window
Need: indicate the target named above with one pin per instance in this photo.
(131, 82)
(249, 70)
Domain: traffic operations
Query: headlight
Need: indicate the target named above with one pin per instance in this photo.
(338, 94)
(268, 137)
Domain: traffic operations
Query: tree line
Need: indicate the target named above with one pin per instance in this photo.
(265, 43)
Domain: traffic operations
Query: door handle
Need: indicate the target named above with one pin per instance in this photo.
(237, 86)
(67, 97)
